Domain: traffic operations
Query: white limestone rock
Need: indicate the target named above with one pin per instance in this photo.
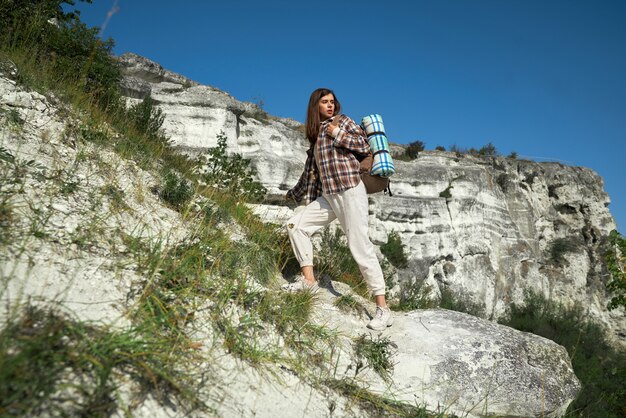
(457, 363)
(195, 114)
(73, 255)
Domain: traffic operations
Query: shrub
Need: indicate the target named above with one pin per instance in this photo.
(559, 247)
(52, 365)
(488, 150)
(146, 118)
(7, 218)
(348, 304)
(455, 302)
(440, 148)
(446, 192)
(413, 149)
(415, 295)
(230, 173)
(59, 41)
(600, 367)
(334, 258)
(457, 149)
(393, 249)
(175, 190)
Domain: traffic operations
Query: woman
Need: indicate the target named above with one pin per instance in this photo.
(332, 189)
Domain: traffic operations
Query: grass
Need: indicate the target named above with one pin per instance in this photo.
(380, 406)
(375, 354)
(394, 250)
(53, 364)
(560, 246)
(333, 258)
(460, 303)
(599, 366)
(349, 304)
(413, 296)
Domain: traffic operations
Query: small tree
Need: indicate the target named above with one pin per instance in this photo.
(488, 150)
(147, 118)
(230, 172)
(413, 150)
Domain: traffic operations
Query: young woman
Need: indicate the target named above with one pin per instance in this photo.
(332, 189)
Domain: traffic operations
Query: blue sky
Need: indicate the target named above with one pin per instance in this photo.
(543, 78)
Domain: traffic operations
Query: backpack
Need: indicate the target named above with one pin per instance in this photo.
(376, 167)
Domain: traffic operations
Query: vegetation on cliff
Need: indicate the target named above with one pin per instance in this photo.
(53, 363)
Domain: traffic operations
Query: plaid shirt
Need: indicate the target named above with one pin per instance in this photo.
(331, 166)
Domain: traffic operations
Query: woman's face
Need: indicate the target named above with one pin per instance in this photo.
(327, 106)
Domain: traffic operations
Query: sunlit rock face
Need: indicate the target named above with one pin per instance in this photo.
(197, 114)
(482, 228)
(486, 229)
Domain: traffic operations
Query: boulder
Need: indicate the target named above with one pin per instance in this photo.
(457, 363)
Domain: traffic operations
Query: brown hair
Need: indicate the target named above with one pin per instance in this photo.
(313, 114)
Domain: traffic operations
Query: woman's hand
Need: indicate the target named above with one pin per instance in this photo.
(331, 127)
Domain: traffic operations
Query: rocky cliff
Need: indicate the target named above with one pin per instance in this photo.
(70, 211)
(484, 228)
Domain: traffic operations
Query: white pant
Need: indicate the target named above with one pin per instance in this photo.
(351, 208)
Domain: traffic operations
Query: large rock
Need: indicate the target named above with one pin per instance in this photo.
(477, 367)
(460, 364)
(484, 228)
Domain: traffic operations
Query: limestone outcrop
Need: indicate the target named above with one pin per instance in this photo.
(195, 114)
(485, 229)
(486, 238)
(461, 364)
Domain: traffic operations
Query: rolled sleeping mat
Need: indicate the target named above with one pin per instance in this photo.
(383, 164)
(375, 129)
(378, 142)
(373, 124)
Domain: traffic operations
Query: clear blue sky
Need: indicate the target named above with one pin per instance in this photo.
(543, 78)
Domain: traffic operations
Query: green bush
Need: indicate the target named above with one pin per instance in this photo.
(393, 249)
(348, 304)
(457, 302)
(230, 173)
(59, 41)
(146, 118)
(599, 366)
(445, 193)
(334, 259)
(52, 365)
(488, 150)
(413, 149)
(175, 190)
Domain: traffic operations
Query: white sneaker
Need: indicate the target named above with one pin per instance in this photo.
(300, 285)
(382, 319)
